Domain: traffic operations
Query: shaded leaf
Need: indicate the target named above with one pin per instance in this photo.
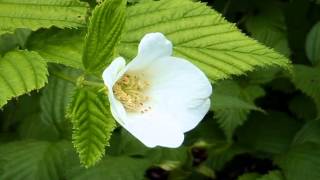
(232, 104)
(59, 46)
(313, 44)
(115, 168)
(301, 162)
(271, 133)
(30, 160)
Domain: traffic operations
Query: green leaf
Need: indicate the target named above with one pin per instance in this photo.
(54, 100)
(249, 176)
(59, 46)
(301, 162)
(313, 44)
(232, 104)
(199, 34)
(113, 168)
(307, 80)
(310, 132)
(273, 175)
(263, 75)
(11, 41)
(30, 160)
(269, 28)
(303, 107)
(104, 32)
(220, 156)
(160, 155)
(123, 143)
(35, 14)
(272, 133)
(92, 124)
(20, 73)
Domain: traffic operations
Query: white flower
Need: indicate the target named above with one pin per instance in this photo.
(157, 97)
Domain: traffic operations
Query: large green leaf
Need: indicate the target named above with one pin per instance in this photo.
(21, 72)
(11, 41)
(92, 124)
(301, 162)
(104, 32)
(123, 143)
(232, 103)
(31, 160)
(59, 46)
(35, 14)
(310, 132)
(307, 79)
(54, 100)
(249, 176)
(313, 44)
(199, 34)
(303, 107)
(113, 168)
(272, 175)
(272, 133)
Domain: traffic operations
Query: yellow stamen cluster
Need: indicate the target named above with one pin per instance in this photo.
(129, 91)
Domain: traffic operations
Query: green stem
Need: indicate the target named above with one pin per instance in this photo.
(64, 77)
(91, 83)
(75, 80)
(226, 7)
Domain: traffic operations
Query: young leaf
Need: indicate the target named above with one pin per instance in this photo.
(59, 46)
(199, 34)
(20, 73)
(313, 44)
(30, 160)
(92, 124)
(104, 31)
(35, 14)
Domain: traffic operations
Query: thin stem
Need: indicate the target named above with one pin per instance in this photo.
(91, 83)
(242, 20)
(75, 80)
(226, 7)
(64, 77)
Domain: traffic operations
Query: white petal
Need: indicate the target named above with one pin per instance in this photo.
(113, 72)
(155, 128)
(152, 47)
(181, 88)
(110, 76)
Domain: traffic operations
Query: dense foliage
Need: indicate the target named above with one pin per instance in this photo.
(262, 57)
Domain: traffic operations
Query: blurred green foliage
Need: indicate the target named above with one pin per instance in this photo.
(262, 126)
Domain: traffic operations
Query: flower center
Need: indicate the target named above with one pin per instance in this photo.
(129, 91)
